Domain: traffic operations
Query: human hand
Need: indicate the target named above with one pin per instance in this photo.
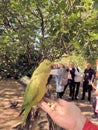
(64, 114)
(90, 82)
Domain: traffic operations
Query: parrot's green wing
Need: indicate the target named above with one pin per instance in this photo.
(30, 93)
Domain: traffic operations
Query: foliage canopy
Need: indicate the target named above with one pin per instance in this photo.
(31, 30)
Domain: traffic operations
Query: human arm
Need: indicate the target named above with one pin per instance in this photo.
(64, 114)
(91, 83)
(92, 79)
(95, 87)
(83, 76)
(96, 92)
(90, 126)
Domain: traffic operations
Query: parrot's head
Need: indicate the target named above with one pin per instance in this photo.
(46, 65)
(47, 62)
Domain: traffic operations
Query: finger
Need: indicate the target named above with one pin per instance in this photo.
(44, 106)
(48, 100)
(62, 102)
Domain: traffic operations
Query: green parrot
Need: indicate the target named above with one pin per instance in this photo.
(36, 89)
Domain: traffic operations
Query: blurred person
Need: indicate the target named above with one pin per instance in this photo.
(53, 67)
(71, 83)
(61, 80)
(89, 75)
(95, 96)
(77, 79)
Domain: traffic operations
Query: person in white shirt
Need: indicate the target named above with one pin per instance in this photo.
(77, 79)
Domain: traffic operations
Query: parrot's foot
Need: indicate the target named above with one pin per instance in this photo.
(18, 127)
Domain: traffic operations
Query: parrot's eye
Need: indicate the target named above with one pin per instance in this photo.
(47, 63)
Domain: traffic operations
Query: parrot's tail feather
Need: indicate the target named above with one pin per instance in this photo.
(26, 114)
(21, 112)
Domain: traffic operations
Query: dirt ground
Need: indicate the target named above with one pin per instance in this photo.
(12, 92)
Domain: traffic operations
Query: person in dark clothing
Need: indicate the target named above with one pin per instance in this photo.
(71, 83)
(88, 76)
(53, 66)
